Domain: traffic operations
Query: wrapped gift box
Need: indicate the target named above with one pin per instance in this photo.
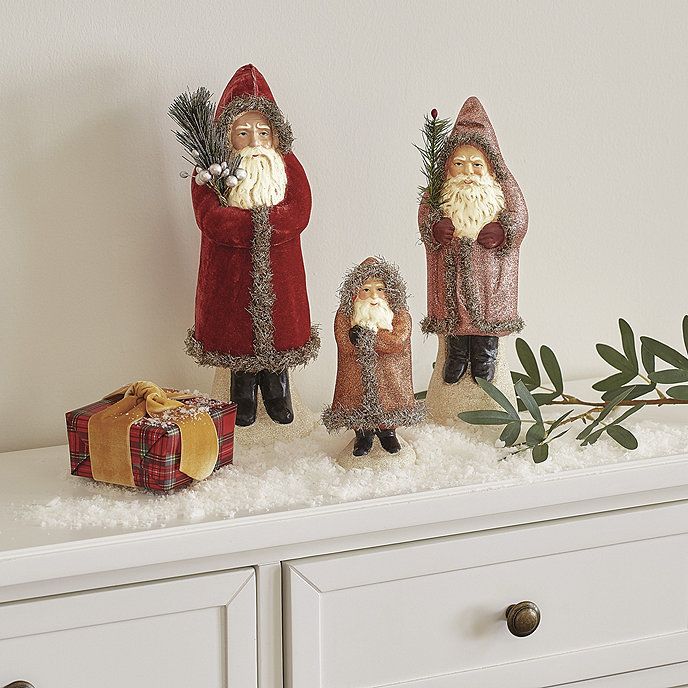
(154, 441)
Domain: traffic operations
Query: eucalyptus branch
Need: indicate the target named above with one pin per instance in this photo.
(619, 390)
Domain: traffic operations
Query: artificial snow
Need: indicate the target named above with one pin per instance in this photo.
(303, 473)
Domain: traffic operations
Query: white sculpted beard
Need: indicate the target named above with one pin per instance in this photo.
(374, 317)
(265, 182)
(472, 206)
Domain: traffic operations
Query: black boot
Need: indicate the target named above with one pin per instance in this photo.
(484, 356)
(243, 389)
(274, 388)
(363, 443)
(388, 440)
(456, 363)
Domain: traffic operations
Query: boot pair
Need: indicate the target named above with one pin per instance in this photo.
(478, 350)
(364, 441)
(274, 388)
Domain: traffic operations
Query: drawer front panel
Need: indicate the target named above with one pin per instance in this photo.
(199, 630)
(424, 612)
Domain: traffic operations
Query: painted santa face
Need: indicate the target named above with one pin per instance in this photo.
(469, 161)
(371, 308)
(251, 129)
(373, 290)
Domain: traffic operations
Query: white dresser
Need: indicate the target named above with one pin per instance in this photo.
(409, 591)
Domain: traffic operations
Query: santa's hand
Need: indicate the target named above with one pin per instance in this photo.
(355, 334)
(443, 231)
(491, 235)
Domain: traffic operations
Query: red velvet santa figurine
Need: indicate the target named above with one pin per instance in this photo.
(252, 313)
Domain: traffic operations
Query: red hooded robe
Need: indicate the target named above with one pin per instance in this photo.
(472, 289)
(252, 309)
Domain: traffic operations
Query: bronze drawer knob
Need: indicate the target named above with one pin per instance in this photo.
(523, 618)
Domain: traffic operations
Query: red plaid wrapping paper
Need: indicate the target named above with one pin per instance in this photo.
(155, 444)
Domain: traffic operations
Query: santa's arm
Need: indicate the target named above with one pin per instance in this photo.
(394, 342)
(290, 217)
(228, 226)
(427, 217)
(515, 218)
(342, 325)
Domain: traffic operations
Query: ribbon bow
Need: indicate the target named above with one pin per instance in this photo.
(109, 429)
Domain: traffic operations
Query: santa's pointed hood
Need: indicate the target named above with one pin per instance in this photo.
(395, 287)
(248, 90)
(473, 127)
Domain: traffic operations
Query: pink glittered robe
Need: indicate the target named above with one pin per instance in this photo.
(472, 289)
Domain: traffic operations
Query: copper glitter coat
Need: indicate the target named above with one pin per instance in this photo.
(472, 289)
(374, 387)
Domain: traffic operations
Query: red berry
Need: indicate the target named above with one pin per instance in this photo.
(433, 113)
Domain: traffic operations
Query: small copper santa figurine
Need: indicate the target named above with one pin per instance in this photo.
(472, 247)
(373, 393)
(252, 312)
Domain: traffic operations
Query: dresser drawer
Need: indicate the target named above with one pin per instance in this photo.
(612, 591)
(192, 631)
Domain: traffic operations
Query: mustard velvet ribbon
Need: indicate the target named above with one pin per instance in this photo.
(108, 433)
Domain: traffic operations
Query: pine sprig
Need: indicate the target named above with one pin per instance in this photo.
(203, 139)
(434, 133)
(629, 386)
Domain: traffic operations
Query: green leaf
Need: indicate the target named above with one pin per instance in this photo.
(615, 358)
(510, 433)
(587, 432)
(628, 343)
(529, 401)
(544, 398)
(685, 331)
(666, 353)
(536, 433)
(486, 417)
(648, 358)
(679, 392)
(635, 391)
(527, 358)
(516, 376)
(421, 395)
(613, 382)
(498, 396)
(557, 436)
(627, 413)
(593, 437)
(624, 437)
(671, 376)
(540, 453)
(558, 422)
(520, 404)
(552, 368)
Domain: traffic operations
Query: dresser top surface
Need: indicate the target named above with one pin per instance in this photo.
(36, 490)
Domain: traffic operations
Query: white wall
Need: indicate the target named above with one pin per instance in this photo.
(99, 246)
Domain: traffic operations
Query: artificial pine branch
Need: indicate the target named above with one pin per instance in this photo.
(202, 138)
(434, 135)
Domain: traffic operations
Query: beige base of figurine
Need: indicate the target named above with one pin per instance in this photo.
(265, 431)
(444, 402)
(378, 457)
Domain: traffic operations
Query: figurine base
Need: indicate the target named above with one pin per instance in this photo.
(444, 402)
(265, 431)
(377, 457)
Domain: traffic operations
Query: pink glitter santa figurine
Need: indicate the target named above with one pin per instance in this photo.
(472, 243)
